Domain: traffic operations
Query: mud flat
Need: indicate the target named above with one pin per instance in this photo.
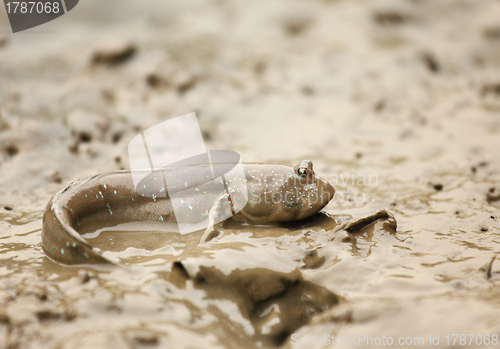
(397, 103)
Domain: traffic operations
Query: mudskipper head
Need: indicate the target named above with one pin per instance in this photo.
(284, 193)
(313, 192)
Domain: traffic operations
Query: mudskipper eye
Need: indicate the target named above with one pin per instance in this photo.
(303, 171)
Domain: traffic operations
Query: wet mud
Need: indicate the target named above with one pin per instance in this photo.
(396, 103)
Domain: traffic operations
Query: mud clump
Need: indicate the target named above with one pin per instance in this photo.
(490, 95)
(186, 84)
(437, 187)
(84, 137)
(297, 25)
(114, 57)
(11, 150)
(3, 42)
(493, 195)
(431, 62)
(390, 18)
(146, 339)
(156, 81)
(4, 319)
(276, 303)
(47, 315)
(55, 178)
(491, 89)
(312, 260)
(492, 33)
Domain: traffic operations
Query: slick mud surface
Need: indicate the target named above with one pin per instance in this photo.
(397, 103)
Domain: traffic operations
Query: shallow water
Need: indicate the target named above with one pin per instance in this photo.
(396, 104)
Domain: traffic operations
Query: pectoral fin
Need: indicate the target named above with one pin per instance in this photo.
(353, 225)
(219, 213)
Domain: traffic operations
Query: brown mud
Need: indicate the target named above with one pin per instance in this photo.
(397, 103)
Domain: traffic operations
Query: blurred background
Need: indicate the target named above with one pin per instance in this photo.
(273, 80)
(407, 90)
